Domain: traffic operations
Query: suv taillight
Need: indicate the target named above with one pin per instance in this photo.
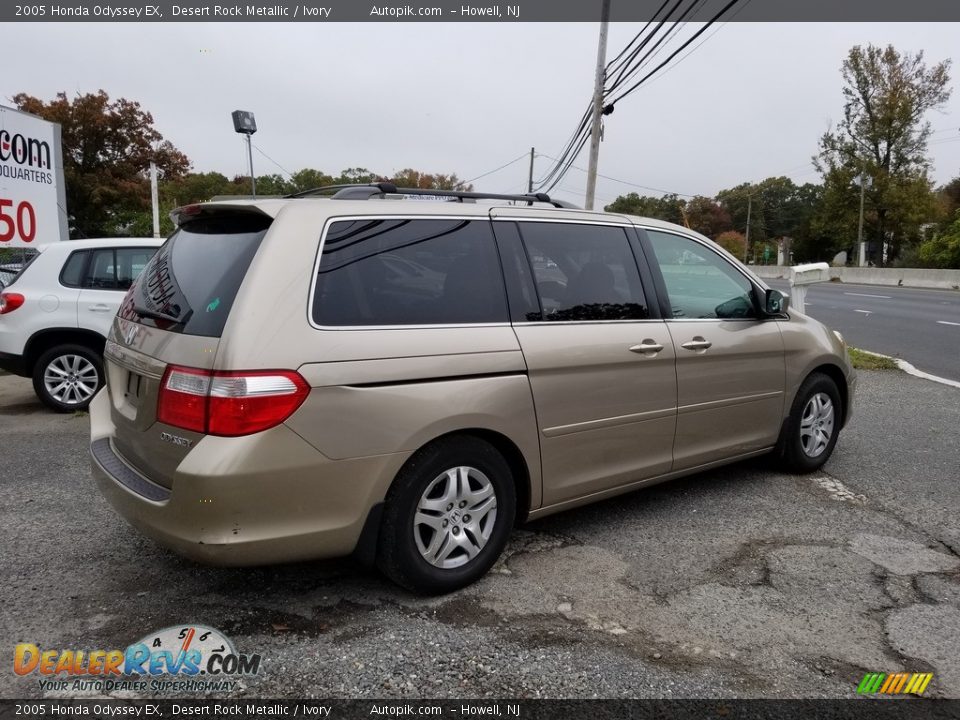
(10, 301)
(228, 403)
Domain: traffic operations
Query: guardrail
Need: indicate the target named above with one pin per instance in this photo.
(903, 277)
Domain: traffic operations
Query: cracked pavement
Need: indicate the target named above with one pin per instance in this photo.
(739, 582)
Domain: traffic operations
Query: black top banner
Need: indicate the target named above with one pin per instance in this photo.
(243, 709)
(464, 11)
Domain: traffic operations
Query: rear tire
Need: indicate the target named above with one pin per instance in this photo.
(66, 377)
(810, 432)
(447, 516)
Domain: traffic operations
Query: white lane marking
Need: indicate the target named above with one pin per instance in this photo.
(885, 297)
(865, 312)
(911, 370)
(942, 322)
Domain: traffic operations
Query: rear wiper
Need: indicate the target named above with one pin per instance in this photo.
(162, 316)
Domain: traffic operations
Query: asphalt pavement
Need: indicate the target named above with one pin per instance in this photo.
(920, 326)
(739, 582)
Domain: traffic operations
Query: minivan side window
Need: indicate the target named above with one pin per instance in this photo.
(584, 272)
(700, 283)
(437, 271)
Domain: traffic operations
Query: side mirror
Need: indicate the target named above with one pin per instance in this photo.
(775, 302)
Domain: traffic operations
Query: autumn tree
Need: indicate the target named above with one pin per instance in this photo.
(706, 216)
(733, 242)
(107, 149)
(883, 136)
(411, 178)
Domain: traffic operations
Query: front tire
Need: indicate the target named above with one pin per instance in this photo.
(811, 430)
(66, 377)
(447, 516)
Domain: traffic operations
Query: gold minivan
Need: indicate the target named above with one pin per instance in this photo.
(406, 380)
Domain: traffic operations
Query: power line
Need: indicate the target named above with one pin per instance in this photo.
(259, 150)
(676, 52)
(491, 172)
(627, 182)
(625, 74)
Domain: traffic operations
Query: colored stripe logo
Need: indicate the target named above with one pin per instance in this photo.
(894, 684)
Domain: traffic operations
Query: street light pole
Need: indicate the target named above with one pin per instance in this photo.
(862, 259)
(253, 180)
(245, 124)
(746, 244)
(597, 106)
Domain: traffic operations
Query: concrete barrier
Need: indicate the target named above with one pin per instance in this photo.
(904, 277)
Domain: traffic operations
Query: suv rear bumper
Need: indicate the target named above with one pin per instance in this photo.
(232, 514)
(15, 364)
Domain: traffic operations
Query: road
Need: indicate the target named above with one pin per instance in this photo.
(920, 326)
(739, 582)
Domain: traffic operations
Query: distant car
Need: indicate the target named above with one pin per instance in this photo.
(56, 313)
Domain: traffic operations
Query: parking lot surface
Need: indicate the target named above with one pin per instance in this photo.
(740, 582)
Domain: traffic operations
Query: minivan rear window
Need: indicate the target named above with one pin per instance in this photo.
(190, 284)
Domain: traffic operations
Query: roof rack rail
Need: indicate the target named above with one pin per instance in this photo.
(382, 189)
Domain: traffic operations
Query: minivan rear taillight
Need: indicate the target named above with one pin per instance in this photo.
(228, 403)
(10, 301)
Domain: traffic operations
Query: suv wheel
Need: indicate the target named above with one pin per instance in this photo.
(67, 377)
(447, 516)
(811, 430)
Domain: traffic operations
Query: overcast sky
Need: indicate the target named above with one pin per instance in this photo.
(751, 102)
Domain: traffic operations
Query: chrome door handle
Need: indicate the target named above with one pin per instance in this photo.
(647, 346)
(698, 343)
(99, 308)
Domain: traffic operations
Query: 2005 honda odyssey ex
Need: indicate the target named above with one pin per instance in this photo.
(317, 376)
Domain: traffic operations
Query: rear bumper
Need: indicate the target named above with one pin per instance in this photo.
(15, 364)
(257, 500)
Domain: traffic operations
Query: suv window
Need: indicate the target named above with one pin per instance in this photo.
(409, 272)
(584, 272)
(72, 273)
(700, 283)
(101, 272)
(190, 284)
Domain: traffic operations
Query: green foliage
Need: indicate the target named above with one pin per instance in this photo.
(883, 136)
(943, 251)
(668, 208)
(107, 149)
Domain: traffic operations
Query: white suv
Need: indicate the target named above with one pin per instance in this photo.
(55, 315)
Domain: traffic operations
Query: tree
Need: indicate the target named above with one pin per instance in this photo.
(943, 251)
(408, 177)
(706, 216)
(107, 149)
(668, 208)
(733, 242)
(883, 135)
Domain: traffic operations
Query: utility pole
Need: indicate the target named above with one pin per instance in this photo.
(253, 179)
(154, 199)
(597, 105)
(746, 245)
(530, 175)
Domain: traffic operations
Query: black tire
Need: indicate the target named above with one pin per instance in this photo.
(793, 455)
(72, 401)
(398, 556)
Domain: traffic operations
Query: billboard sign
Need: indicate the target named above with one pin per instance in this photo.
(32, 192)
